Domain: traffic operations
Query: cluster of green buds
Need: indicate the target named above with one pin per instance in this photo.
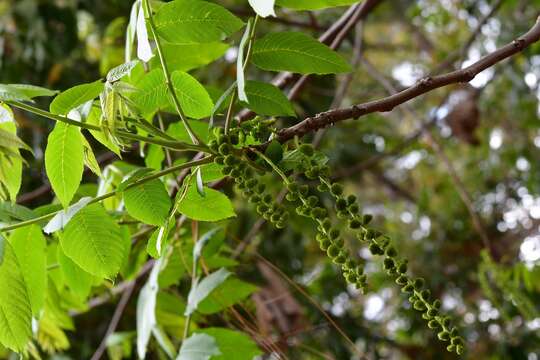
(246, 179)
(380, 245)
(329, 238)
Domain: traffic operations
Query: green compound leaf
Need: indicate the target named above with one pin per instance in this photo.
(75, 96)
(313, 4)
(298, 53)
(214, 206)
(267, 99)
(29, 246)
(148, 202)
(95, 242)
(64, 161)
(15, 310)
(188, 21)
(233, 345)
(198, 347)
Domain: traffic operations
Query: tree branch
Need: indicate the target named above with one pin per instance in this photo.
(423, 86)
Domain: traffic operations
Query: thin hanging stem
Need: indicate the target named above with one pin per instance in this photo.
(168, 81)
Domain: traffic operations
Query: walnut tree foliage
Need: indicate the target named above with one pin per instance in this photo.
(269, 179)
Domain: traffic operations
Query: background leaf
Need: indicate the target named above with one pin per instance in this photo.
(297, 52)
(186, 21)
(198, 347)
(267, 99)
(185, 57)
(233, 345)
(200, 290)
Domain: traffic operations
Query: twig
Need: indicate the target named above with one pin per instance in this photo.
(423, 86)
(114, 321)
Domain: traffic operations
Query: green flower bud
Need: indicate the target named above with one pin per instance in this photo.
(456, 340)
(391, 252)
(326, 224)
(432, 312)
(322, 187)
(342, 214)
(262, 209)
(402, 268)
(350, 264)
(425, 294)
(260, 188)
(436, 304)
(402, 280)
(341, 204)
(418, 283)
(275, 218)
(219, 160)
(251, 183)
(255, 199)
(433, 324)
(375, 249)
(312, 200)
(339, 242)
(354, 209)
(446, 322)
(227, 170)
(234, 139)
(236, 173)
(267, 199)
(460, 349)
(388, 263)
(230, 160)
(224, 149)
(311, 174)
(340, 259)
(303, 189)
(443, 335)
(332, 251)
(366, 219)
(333, 233)
(419, 305)
(291, 197)
(351, 199)
(355, 224)
(280, 224)
(336, 189)
(318, 213)
(451, 348)
(325, 244)
(213, 145)
(292, 187)
(409, 288)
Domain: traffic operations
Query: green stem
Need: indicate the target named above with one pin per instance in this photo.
(143, 180)
(168, 81)
(228, 119)
(274, 166)
(174, 145)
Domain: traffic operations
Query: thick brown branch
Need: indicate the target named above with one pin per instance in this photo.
(423, 86)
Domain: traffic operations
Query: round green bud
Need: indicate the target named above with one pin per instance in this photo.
(284, 216)
(292, 187)
(351, 277)
(220, 160)
(262, 209)
(388, 263)
(425, 294)
(230, 160)
(375, 249)
(311, 174)
(332, 251)
(275, 218)
(342, 214)
(224, 149)
(402, 268)
(418, 283)
(234, 139)
(336, 189)
(433, 324)
(391, 252)
(451, 348)
(350, 264)
(419, 305)
(341, 204)
(227, 170)
(251, 183)
(236, 173)
(454, 332)
(355, 224)
(460, 349)
(456, 340)
(354, 209)
(340, 259)
(307, 150)
(281, 224)
(402, 280)
(222, 139)
(303, 189)
(351, 199)
(446, 322)
(318, 213)
(333, 233)
(267, 199)
(339, 242)
(322, 187)
(213, 145)
(443, 335)
(432, 312)
(291, 197)
(260, 188)
(326, 224)
(255, 199)
(239, 180)
(312, 200)
(366, 219)
(436, 304)
(407, 288)
(325, 244)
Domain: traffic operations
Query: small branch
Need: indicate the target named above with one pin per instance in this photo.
(423, 86)
(143, 180)
(174, 145)
(114, 321)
